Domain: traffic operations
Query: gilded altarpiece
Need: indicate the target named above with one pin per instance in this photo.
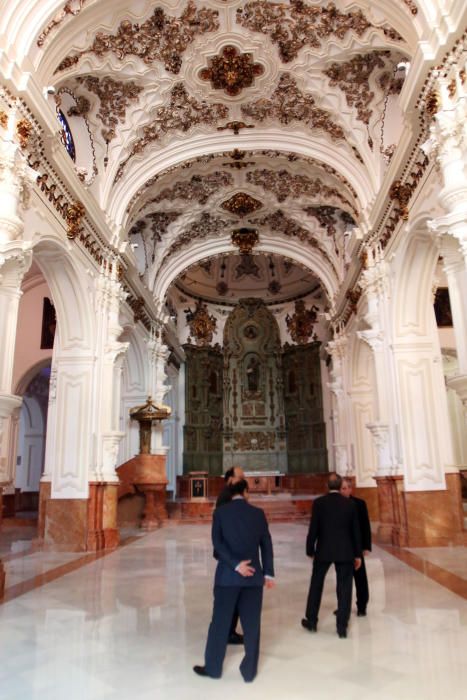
(254, 423)
(303, 402)
(203, 409)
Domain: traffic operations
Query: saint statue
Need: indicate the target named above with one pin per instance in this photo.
(252, 374)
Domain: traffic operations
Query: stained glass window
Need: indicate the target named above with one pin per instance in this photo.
(67, 136)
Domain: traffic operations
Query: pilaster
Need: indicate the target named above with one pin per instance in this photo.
(340, 406)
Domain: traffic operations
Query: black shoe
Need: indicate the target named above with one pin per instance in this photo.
(310, 626)
(361, 613)
(200, 670)
(236, 638)
(342, 633)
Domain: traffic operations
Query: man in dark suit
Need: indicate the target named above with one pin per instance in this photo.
(239, 534)
(359, 575)
(333, 538)
(231, 477)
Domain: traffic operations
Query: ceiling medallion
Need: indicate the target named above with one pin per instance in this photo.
(241, 204)
(245, 239)
(232, 71)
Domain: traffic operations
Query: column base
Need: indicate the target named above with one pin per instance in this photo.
(420, 518)
(79, 525)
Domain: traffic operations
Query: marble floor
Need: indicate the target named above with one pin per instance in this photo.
(131, 624)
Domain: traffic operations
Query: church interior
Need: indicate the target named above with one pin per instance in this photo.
(232, 233)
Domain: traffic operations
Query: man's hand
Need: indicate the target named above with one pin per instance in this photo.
(269, 583)
(357, 562)
(366, 552)
(244, 568)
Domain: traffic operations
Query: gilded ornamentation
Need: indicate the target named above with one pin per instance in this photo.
(298, 25)
(254, 440)
(204, 227)
(353, 295)
(402, 194)
(3, 119)
(182, 113)
(352, 78)
(115, 97)
(284, 184)
(412, 6)
(23, 132)
(199, 188)
(300, 324)
(72, 7)
(239, 162)
(160, 38)
(236, 127)
(81, 108)
(288, 104)
(326, 217)
(432, 103)
(241, 204)
(231, 71)
(73, 217)
(202, 325)
(245, 239)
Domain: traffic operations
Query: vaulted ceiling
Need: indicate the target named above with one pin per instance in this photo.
(207, 116)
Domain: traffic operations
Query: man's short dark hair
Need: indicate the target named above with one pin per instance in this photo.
(229, 474)
(334, 482)
(239, 488)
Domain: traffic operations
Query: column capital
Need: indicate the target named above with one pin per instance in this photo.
(373, 337)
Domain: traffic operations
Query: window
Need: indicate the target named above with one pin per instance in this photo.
(67, 136)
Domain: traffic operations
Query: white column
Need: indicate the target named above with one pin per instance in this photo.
(110, 353)
(158, 354)
(376, 292)
(340, 408)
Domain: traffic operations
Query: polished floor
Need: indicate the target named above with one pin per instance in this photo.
(132, 624)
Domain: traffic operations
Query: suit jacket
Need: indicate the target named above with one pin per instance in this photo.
(224, 497)
(334, 532)
(364, 522)
(240, 531)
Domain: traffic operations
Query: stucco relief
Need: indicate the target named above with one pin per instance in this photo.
(160, 38)
(284, 184)
(289, 104)
(294, 26)
(199, 188)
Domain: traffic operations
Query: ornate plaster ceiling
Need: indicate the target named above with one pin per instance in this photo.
(209, 115)
(229, 278)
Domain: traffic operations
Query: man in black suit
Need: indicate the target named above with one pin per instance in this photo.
(333, 538)
(239, 534)
(231, 477)
(359, 575)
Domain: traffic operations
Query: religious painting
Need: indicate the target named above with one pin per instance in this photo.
(252, 366)
(49, 324)
(443, 308)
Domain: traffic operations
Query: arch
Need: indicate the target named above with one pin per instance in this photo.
(26, 378)
(72, 299)
(364, 180)
(309, 258)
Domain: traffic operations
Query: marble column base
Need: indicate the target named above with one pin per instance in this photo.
(420, 518)
(79, 525)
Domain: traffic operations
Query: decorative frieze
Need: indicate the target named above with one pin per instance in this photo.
(74, 216)
(115, 96)
(182, 114)
(288, 104)
(299, 24)
(160, 38)
(231, 71)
